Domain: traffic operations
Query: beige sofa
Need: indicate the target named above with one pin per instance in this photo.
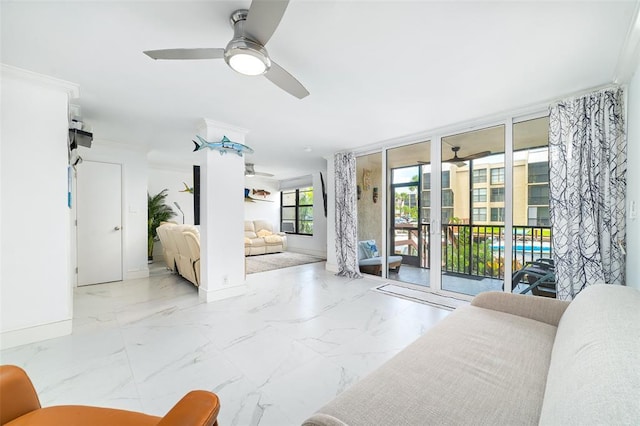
(510, 360)
(259, 238)
(181, 249)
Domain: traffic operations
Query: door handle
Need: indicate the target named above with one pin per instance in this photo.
(117, 228)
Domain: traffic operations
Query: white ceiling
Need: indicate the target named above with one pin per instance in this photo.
(376, 70)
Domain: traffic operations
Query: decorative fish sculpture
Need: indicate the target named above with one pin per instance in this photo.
(261, 192)
(187, 188)
(223, 146)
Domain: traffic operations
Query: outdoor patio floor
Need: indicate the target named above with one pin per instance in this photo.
(457, 283)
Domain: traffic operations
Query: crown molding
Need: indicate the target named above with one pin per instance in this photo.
(630, 54)
(11, 72)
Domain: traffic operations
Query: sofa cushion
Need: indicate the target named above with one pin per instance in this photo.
(264, 233)
(375, 261)
(263, 224)
(476, 366)
(247, 241)
(273, 239)
(257, 242)
(594, 376)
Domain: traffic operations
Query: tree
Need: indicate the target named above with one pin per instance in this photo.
(157, 212)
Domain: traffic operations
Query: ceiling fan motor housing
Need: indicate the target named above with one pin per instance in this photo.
(244, 44)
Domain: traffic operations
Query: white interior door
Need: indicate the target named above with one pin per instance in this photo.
(99, 214)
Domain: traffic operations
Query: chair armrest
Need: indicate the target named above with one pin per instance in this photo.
(540, 309)
(195, 408)
(17, 394)
(282, 234)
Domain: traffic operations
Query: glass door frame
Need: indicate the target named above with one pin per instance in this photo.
(435, 138)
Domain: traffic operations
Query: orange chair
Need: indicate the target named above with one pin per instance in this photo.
(19, 405)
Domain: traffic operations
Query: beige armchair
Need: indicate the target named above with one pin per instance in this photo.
(184, 258)
(193, 241)
(168, 245)
(181, 249)
(259, 238)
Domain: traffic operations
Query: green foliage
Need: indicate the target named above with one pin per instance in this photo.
(306, 196)
(470, 257)
(157, 212)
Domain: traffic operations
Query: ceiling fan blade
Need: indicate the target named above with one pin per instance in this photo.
(475, 156)
(264, 17)
(281, 78)
(204, 53)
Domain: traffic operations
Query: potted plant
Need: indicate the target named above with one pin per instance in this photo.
(157, 212)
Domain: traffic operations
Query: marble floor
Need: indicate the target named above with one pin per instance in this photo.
(298, 337)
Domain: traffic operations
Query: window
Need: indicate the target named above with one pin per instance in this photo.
(497, 195)
(447, 215)
(538, 172)
(539, 195)
(447, 198)
(539, 216)
(497, 175)
(296, 211)
(497, 214)
(426, 199)
(480, 214)
(480, 176)
(479, 195)
(446, 180)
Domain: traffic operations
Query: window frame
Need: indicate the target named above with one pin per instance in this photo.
(297, 206)
(499, 178)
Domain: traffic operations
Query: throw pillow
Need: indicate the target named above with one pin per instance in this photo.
(264, 233)
(371, 249)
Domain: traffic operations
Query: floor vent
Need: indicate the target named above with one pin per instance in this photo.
(436, 300)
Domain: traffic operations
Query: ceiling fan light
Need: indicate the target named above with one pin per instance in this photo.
(247, 57)
(247, 64)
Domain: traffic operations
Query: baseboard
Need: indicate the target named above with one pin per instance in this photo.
(221, 293)
(331, 267)
(24, 336)
(317, 253)
(134, 275)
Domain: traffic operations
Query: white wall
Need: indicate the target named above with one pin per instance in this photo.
(35, 282)
(263, 208)
(134, 200)
(633, 181)
(173, 179)
(330, 181)
(316, 244)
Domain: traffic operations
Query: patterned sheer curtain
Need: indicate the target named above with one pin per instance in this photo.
(588, 167)
(346, 215)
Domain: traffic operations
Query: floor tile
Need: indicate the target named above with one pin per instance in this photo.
(295, 340)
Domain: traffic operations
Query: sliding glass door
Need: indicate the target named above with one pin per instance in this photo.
(463, 212)
(474, 164)
(408, 217)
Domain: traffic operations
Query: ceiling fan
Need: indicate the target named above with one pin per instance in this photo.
(245, 53)
(459, 161)
(249, 171)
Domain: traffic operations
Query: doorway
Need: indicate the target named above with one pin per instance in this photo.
(99, 222)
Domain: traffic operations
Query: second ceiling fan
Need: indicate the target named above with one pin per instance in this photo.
(460, 161)
(250, 171)
(245, 53)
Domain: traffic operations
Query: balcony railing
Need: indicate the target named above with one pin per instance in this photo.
(474, 250)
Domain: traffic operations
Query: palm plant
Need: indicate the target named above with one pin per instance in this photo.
(157, 212)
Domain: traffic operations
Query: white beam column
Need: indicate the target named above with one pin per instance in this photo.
(222, 215)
